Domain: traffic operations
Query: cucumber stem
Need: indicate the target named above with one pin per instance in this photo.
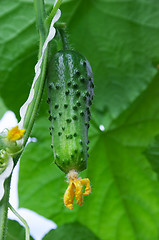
(4, 210)
(53, 12)
(64, 38)
(27, 234)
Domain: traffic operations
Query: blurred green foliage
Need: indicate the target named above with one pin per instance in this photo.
(120, 40)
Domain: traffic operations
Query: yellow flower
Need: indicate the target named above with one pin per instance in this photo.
(75, 189)
(15, 134)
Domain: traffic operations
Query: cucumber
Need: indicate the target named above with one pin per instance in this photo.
(70, 94)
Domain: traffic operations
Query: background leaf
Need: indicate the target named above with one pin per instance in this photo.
(15, 231)
(71, 231)
(18, 51)
(2, 108)
(152, 153)
(120, 40)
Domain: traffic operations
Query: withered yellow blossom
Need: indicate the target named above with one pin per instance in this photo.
(15, 134)
(75, 189)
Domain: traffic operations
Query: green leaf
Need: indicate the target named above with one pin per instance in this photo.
(152, 153)
(15, 231)
(71, 231)
(120, 39)
(18, 50)
(120, 44)
(3, 108)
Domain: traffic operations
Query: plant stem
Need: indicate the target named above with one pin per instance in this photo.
(40, 19)
(33, 107)
(53, 12)
(27, 234)
(4, 210)
(64, 38)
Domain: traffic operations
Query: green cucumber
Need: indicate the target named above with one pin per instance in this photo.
(70, 94)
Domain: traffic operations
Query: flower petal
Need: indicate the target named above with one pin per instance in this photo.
(69, 195)
(78, 191)
(5, 174)
(86, 182)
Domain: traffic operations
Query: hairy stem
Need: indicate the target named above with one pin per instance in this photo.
(64, 38)
(33, 107)
(40, 20)
(53, 12)
(27, 234)
(4, 210)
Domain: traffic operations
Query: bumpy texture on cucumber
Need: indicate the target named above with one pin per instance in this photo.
(70, 94)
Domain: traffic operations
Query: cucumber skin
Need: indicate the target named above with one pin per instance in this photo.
(70, 94)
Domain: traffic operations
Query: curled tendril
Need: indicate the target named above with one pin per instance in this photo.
(75, 189)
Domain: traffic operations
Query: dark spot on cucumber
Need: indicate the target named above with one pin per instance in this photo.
(52, 146)
(75, 134)
(63, 128)
(50, 118)
(67, 92)
(72, 156)
(87, 124)
(88, 110)
(78, 73)
(54, 118)
(48, 100)
(65, 105)
(82, 113)
(69, 84)
(75, 85)
(82, 80)
(60, 114)
(78, 93)
(84, 98)
(56, 106)
(84, 63)
(92, 85)
(76, 151)
(75, 108)
(59, 133)
(87, 94)
(57, 156)
(74, 117)
(82, 160)
(69, 136)
(68, 120)
(57, 86)
(81, 142)
(51, 85)
(78, 104)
